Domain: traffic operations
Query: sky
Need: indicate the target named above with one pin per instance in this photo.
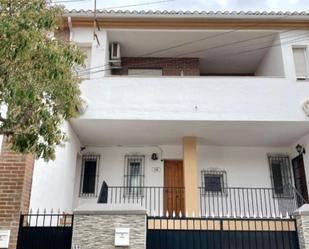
(207, 5)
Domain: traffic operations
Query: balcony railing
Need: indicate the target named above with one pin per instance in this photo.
(230, 202)
(250, 202)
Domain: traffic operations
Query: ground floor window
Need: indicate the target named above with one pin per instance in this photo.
(281, 178)
(89, 176)
(134, 174)
(213, 181)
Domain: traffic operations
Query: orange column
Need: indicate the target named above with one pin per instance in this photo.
(190, 175)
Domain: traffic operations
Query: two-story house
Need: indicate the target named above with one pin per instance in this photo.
(185, 114)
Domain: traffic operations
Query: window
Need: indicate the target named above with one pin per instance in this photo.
(280, 175)
(300, 62)
(89, 177)
(134, 174)
(214, 181)
(145, 72)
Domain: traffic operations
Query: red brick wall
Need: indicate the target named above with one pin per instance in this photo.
(15, 187)
(169, 66)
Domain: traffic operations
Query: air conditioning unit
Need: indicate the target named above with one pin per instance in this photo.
(115, 57)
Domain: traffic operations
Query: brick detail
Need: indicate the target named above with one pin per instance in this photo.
(169, 66)
(15, 186)
(97, 231)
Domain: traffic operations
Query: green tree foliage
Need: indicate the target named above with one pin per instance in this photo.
(37, 82)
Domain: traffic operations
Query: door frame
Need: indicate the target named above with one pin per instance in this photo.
(302, 158)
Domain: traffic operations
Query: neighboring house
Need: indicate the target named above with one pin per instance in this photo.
(186, 115)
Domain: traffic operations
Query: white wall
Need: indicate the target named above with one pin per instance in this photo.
(245, 166)
(272, 62)
(111, 167)
(195, 98)
(53, 182)
(99, 49)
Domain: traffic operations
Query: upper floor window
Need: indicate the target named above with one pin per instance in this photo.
(280, 175)
(300, 62)
(90, 175)
(214, 181)
(134, 174)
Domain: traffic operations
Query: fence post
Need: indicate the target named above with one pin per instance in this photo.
(302, 223)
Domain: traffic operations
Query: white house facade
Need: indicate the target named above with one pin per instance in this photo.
(186, 114)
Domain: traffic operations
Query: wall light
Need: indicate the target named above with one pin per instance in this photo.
(300, 149)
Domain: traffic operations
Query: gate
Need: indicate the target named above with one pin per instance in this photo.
(202, 233)
(45, 231)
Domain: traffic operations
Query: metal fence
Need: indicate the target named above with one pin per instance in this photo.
(229, 202)
(45, 230)
(197, 233)
(250, 202)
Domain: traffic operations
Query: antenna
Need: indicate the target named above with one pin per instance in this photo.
(95, 22)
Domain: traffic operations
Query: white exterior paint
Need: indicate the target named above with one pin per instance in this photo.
(265, 111)
(248, 164)
(53, 182)
(196, 98)
(272, 62)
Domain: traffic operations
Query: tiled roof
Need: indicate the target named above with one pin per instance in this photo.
(201, 14)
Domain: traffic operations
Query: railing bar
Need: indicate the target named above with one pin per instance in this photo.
(248, 203)
(44, 219)
(231, 203)
(236, 203)
(269, 203)
(243, 200)
(261, 203)
(155, 203)
(265, 202)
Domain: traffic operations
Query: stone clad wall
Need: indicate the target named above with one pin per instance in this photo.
(302, 221)
(97, 231)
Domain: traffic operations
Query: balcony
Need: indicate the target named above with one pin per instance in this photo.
(193, 98)
(231, 202)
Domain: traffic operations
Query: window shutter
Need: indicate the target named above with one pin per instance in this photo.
(300, 63)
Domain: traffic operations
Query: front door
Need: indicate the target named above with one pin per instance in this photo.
(174, 195)
(300, 176)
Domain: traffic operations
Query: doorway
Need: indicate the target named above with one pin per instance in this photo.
(300, 177)
(174, 193)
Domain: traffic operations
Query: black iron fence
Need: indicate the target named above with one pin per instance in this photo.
(45, 230)
(228, 202)
(197, 233)
(250, 202)
(158, 201)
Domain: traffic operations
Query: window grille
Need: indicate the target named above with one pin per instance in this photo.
(89, 176)
(134, 175)
(214, 181)
(280, 173)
